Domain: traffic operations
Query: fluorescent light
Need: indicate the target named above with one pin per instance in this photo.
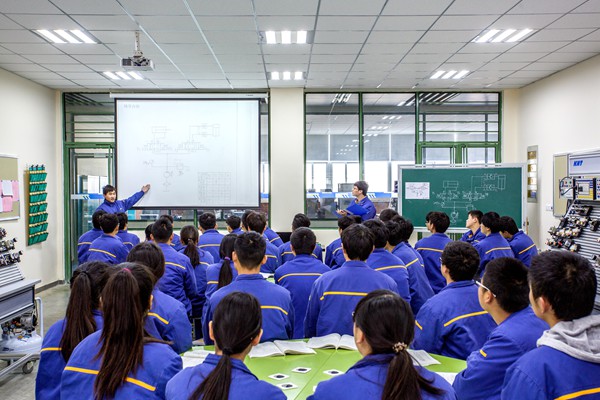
(66, 36)
(436, 76)
(401, 103)
(274, 76)
(271, 37)
(519, 35)
(448, 74)
(301, 37)
(503, 35)
(124, 75)
(50, 36)
(287, 75)
(286, 37)
(490, 34)
(82, 36)
(385, 117)
(461, 74)
(298, 76)
(135, 75)
(112, 75)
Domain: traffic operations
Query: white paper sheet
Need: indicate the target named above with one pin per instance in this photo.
(416, 190)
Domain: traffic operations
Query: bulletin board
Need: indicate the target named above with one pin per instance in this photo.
(10, 197)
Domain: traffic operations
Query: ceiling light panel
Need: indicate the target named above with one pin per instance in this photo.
(502, 36)
(59, 36)
(287, 37)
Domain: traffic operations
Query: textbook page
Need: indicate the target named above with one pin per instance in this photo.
(293, 347)
(330, 341)
(422, 358)
(266, 349)
(347, 342)
(448, 376)
(194, 357)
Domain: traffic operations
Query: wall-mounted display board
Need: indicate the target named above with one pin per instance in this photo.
(10, 199)
(562, 188)
(37, 228)
(457, 190)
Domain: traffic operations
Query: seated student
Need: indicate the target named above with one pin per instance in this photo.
(233, 223)
(520, 243)
(400, 230)
(82, 318)
(200, 260)
(359, 190)
(504, 294)
(128, 239)
(179, 280)
(108, 247)
(452, 323)
(565, 365)
(432, 246)
(388, 214)
(224, 272)
(148, 232)
(335, 294)
(334, 256)
(383, 330)
(276, 302)
(493, 245)
(383, 261)
(176, 241)
(474, 234)
(210, 238)
(85, 240)
(112, 206)
(285, 253)
(167, 318)
(272, 236)
(235, 329)
(121, 361)
(298, 274)
(257, 222)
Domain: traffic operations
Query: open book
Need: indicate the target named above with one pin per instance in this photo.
(422, 358)
(332, 341)
(194, 357)
(279, 348)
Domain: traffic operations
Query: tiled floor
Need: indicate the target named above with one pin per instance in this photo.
(17, 386)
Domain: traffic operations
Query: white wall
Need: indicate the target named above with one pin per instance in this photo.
(30, 129)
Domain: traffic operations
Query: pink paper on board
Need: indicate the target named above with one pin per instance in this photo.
(7, 203)
(15, 188)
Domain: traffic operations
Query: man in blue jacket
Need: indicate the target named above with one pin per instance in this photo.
(474, 234)
(108, 247)
(520, 243)
(257, 222)
(566, 363)
(431, 247)
(211, 238)
(285, 253)
(493, 245)
(128, 239)
(504, 294)
(334, 256)
(85, 240)
(112, 206)
(359, 190)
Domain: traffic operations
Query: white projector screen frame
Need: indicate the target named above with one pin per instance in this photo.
(195, 153)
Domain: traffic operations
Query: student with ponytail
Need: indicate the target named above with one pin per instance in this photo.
(82, 318)
(383, 329)
(200, 260)
(235, 328)
(224, 272)
(122, 361)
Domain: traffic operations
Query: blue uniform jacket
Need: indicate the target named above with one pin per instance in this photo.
(297, 276)
(493, 246)
(128, 239)
(334, 255)
(84, 242)
(179, 280)
(176, 243)
(471, 237)
(452, 323)
(273, 237)
(368, 205)
(487, 366)
(275, 302)
(206, 259)
(431, 248)
(420, 289)
(383, 261)
(366, 378)
(212, 277)
(237, 231)
(159, 364)
(120, 205)
(272, 263)
(52, 363)
(284, 253)
(523, 247)
(244, 385)
(334, 296)
(168, 320)
(210, 241)
(108, 249)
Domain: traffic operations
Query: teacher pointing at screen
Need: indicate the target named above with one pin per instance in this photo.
(361, 205)
(112, 206)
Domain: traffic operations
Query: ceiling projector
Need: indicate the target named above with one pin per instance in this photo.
(137, 62)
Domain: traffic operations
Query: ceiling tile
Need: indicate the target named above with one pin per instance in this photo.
(548, 6)
(436, 48)
(517, 57)
(387, 48)
(71, 68)
(153, 7)
(463, 22)
(472, 57)
(119, 37)
(594, 36)
(588, 7)
(332, 59)
(22, 67)
(590, 20)
(567, 57)
(28, 7)
(31, 48)
(167, 22)
(342, 23)
(330, 67)
(523, 21)
(282, 23)
(336, 48)
(233, 37)
(105, 22)
(286, 7)
(19, 36)
(351, 7)
(210, 84)
(557, 35)
(51, 59)
(449, 36)
(95, 59)
(90, 6)
(547, 66)
(582, 47)
(404, 23)
(480, 7)
(537, 47)
(341, 36)
(395, 37)
(294, 58)
(411, 7)
(229, 7)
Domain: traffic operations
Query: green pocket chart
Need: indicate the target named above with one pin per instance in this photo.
(37, 215)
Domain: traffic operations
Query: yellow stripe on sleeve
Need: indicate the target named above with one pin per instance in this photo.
(95, 372)
(483, 353)
(412, 262)
(361, 294)
(418, 325)
(497, 248)
(161, 319)
(102, 251)
(453, 320)
(299, 274)
(175, 265)
(51, 349)
(212, 282)
(390, 267)
(578, 394)
(430, 249)
(523, 251)
(275, 308)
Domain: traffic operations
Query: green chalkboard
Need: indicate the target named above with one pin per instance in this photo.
(457, 190)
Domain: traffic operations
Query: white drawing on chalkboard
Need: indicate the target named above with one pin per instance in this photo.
(416, 190)
(206, 130)
(214, 187)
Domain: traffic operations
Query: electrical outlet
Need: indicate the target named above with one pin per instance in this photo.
(548, 207)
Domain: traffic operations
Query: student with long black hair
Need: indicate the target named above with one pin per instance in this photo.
(383, 329)
(122, 361)
(200, 260)
(235, 328)
(224, 272)
(82, 318)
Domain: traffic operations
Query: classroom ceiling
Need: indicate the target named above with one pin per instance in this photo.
(356, 44)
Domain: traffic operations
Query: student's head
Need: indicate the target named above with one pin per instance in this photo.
(87, 283)
(207, 221)
(508, 226)
(168, 216)
(162, 230)
(96, 217)
(125, 302)
(150, 255)
(506, 281)
(360, 188)
(303, 241)
(226, 253)
(403, 229)
(148, 232)
(460, 261)
(249, 250)
(233, 222)
(380, 232)
(256, 222)
(491, 223)
(357, 242)
(122, 221)
(110, 193)
(244, 219)
(109, 223)
(474, 219)
(346, 221)
(384, 324)
(437, 222)
(563, 285)
(189, 238)
(387, 214)
(235, 328)
(300, 221)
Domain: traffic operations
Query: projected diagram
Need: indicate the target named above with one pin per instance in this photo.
(453, 198)
(214, 186)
